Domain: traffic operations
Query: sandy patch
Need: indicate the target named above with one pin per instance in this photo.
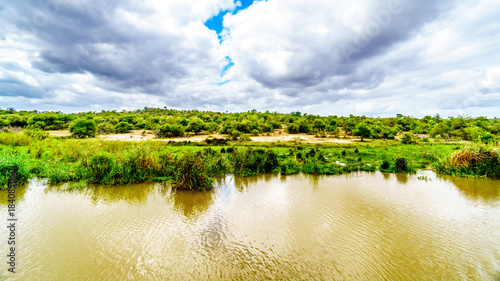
(137, 136)
(61, 133)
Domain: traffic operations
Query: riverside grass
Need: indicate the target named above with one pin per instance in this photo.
(119, 162)
(475, 160)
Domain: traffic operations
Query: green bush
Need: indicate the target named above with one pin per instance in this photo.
(9, 160)
(408, 138)
(191, 174)
(402, 165)
(101, 168)
(169, 131)
(83, 128)
(122, 127)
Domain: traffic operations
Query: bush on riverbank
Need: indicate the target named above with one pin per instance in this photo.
(192, 174)
(475, 161)
(9, 160)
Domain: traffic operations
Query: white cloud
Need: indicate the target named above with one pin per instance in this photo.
(326, 57)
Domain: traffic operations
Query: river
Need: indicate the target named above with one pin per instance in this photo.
(360, 226)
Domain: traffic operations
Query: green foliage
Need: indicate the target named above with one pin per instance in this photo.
(472, 161)
(363, 131)
(195, 125)
(192, 174)
(83, 128)
(169, 131)
(408, 138)
(101, 168)
(10, 160)
(235, 134)
(488, 138)
(105, 128)
(122, 127)
(14, 139)
(292, 128)
(402, 165)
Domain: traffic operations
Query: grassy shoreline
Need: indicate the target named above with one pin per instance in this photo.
(194, 165)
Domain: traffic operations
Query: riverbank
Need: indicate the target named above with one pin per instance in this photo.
(121, 162)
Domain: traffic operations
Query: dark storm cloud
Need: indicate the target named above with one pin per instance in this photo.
(343, 51)
(91, 37)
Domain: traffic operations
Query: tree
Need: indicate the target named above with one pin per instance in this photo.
(123, 127)
(195, 125)
(170, 131)
(292, 128)
(319, 125)
(363, 131)
(83, 128)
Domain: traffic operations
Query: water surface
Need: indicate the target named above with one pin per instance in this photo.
(361, 226)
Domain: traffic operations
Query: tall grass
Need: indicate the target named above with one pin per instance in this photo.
(14, 139)
(11, 159)
(476, 161)
(192, 174)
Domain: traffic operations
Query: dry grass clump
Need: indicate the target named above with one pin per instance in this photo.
(478, 161)
(472, 155)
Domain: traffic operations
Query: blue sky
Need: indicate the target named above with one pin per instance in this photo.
(328, 57)
(215, 23)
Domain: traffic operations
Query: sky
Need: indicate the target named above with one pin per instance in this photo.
(326, 57)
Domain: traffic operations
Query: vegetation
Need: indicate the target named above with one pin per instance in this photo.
(175, 123)
(395, 144)
(472, 161)
(83, 128)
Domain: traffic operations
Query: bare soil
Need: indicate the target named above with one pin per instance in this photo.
(137, 135)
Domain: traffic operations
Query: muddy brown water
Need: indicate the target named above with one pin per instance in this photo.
(361, 226)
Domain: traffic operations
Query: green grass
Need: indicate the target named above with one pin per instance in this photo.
(120, 162)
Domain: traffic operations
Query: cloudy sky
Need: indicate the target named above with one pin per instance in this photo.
(362, 57)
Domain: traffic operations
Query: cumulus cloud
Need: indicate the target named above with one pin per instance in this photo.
(328, 57)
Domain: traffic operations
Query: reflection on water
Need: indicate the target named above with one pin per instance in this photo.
(401, 178)
(191, 204)
(359, 226)
(480, 189)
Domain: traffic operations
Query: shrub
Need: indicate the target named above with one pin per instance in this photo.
(488, 138)
(385, 165)
(105, 128)
(363, 131)
(191, 174)
(401, 165)
(482, 161)
(83, 128)
(10, 159)
(169, 131)
(408, 138)
(292, 128)
(235, 134)
(122, 127)
(101, 168)
(289, 166)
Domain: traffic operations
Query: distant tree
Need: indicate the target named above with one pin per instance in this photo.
(292, 128)
(363, 131)
(168, 131)
(122, 127)
(184, 122)
(235, 134)
(319, 125)
(83, 128)
(195, 125)
(488, 138)
(408, 138)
